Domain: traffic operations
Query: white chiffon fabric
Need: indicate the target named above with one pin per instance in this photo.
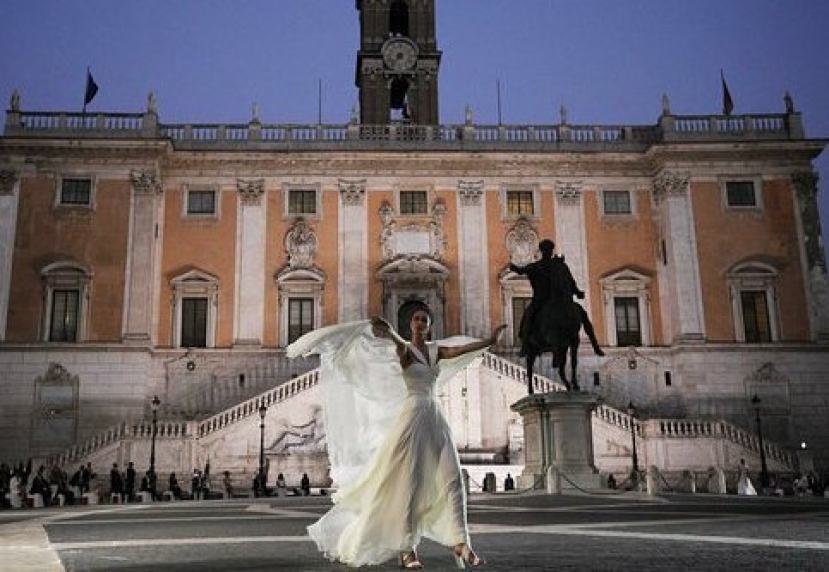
(744, 486)
(391, 450)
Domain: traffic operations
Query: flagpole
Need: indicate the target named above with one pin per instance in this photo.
(319, 101)
(498, 90)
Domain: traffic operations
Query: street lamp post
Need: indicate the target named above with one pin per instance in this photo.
(634, 474)
(262, 411)
(764, 469)
(154, 403)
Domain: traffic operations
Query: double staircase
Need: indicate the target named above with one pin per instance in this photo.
(674, 446)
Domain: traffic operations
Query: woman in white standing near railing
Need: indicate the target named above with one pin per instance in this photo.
(391, 450)
(744, 486)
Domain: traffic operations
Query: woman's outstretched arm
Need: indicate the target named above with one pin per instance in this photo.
(449, 352)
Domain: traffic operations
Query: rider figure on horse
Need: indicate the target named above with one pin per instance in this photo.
(552, 283)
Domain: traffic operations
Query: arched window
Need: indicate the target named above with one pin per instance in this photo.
(399, 100)
(66, 301)
(753, 292)
(399, 18)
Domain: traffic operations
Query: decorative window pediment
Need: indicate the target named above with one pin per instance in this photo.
(195, 308)
(626, 302)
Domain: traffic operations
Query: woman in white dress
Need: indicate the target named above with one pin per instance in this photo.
(744, 486)
(408, 484)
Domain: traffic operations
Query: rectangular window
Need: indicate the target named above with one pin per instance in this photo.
(520, 203)
(413, 202)
(201, 202)
(628, 328)
(300, 317)
(740, 194)
(519, 307)
(194, 322)
(302, 202)
(63, 326)
(616, 202)
(756, 316)
(76, 192)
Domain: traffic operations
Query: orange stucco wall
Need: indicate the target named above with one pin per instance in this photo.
(727, 236)
(207, 245)
(614, 243)
(95, 238)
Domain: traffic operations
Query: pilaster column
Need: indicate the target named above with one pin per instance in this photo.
(142, 258)
(353, 256)
(680, 290)
(571, 238)
(9, 190)
(813, 258)
(251, 222)
(472, 258)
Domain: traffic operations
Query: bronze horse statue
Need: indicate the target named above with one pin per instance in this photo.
(554, 328)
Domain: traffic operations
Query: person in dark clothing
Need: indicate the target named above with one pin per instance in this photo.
(509, 483)
(41, 486)
(116, 481)
(551, 281)
(129, 482)
(305, 485)
(175, 488)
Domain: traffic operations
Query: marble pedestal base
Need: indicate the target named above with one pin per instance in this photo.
(558, 441)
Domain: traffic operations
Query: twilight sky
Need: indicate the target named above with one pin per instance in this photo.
(608, 61)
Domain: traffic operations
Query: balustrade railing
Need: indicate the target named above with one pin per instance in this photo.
(689, 429)
(669, 128)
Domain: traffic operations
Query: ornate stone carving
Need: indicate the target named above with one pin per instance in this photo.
(7, 180)
(766, 374)
(470, 192)
(568, 193)
(415, 238)
(522, 243)
(251, 191)
(146, 182)
(352, 193)
(669, 184)
(301, 244)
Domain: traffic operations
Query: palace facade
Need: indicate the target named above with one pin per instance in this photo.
(140, 258)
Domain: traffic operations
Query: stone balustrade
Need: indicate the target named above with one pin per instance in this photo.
(691, 429)
(251, 406)
(351, 136)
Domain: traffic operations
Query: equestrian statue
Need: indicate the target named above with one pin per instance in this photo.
(553, 320)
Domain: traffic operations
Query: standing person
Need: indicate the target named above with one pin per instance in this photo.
(175, 489)
(129, 482)
(396, 465)
(227, 483)
(280, 485)
(551, 279)
(195, 484)
(116, 481)
(305, 485)
(86, 478)
(744, 486)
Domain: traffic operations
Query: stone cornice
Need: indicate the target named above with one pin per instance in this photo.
(470, 192)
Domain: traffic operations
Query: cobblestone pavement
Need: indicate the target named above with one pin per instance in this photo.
(513, 532)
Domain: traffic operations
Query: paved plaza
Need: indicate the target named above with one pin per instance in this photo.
(626, 531)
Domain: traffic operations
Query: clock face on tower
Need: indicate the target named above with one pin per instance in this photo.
(399, 54)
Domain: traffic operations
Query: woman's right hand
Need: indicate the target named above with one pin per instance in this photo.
(380, 327)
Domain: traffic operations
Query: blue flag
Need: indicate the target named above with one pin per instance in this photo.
(91, 90)
(727, 102)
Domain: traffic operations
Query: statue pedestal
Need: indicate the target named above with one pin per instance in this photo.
(558, 441)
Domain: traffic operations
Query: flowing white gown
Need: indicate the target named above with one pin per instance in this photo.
(411, 486)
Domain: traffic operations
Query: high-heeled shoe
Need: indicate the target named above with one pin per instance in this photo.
(466, 556)
(409, 561)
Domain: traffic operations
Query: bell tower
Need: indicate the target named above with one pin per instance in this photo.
(397, 64)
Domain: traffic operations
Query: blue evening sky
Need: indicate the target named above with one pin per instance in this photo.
(608, 61)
